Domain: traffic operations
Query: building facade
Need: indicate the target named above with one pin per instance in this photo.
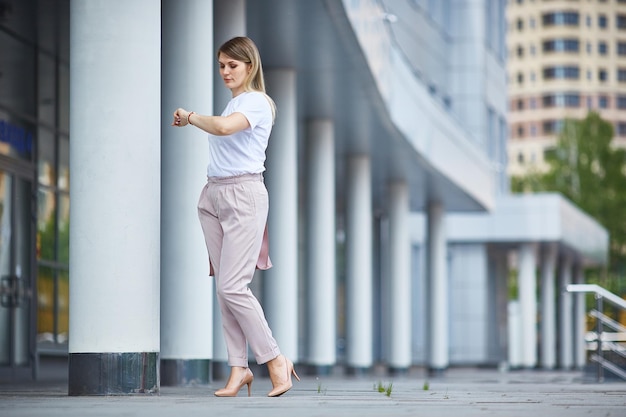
(390, 225)
(34, 169)
(565, 58)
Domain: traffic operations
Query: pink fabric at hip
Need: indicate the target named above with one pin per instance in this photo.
(233, 214)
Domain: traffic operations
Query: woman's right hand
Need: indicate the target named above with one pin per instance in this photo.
(181, 117)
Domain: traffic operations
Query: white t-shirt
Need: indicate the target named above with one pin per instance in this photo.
(244, 151)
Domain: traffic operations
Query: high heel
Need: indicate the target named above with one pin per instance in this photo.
(277, 375)
(232, 391)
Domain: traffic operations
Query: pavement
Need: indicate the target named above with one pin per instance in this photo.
(459, 392)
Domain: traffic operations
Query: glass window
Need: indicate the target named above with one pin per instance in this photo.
(63, 306)
(46, 164)
(602, 48)
(18, 65)
(552, 126)
(52, 305)
(34, 109)
(63, 178)
(561, 72)
(16, 137)
(63, 229)
(621, 102)
(46, 90)
(561, 45)
(603, 102)
(602, 75)
(602, 21)
(621, 129)
(621, 48)
(621, 21)
(560, 18)
(561, 100)
(64, 98)
(46, 301)
(46, 224)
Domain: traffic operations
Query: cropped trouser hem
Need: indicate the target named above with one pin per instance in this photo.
(260, 359)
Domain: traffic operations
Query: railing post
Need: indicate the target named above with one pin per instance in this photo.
(599, 338)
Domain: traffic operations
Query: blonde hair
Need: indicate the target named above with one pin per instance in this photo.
(243, 49)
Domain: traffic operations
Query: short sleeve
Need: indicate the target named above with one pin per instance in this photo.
(255, 107)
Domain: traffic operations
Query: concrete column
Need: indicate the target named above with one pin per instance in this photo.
(229, 20)
(566, 348)
(281, 281)
(548, 306)
(580, 322)
(187, 290)
(438, 327)
(115, 108)
(527, 282)
(321, 263)
(359, 279)
(497, 326)
(399, 278)
(514, 334)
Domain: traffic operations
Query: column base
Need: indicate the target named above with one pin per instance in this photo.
(220, 370)
(179, 372)
(398, 371)
(321, 370)
(358, 371)
(436, 372)
(113, 373)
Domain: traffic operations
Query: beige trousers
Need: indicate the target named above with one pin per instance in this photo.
(233, 214)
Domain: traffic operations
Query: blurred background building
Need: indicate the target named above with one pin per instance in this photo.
(565, 58)
(395, 240)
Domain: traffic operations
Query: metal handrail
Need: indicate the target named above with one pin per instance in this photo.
(599, 291)
(600, 295)
(617, 326)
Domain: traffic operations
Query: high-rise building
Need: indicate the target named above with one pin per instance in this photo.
(566, 58)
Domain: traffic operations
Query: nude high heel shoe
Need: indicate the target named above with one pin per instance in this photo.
(235, 383)
(280, 370)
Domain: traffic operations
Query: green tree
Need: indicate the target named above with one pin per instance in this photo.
(590, 172)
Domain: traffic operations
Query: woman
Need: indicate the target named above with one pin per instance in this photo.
(233, 210)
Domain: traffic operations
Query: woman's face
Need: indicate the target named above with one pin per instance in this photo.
(233, 73)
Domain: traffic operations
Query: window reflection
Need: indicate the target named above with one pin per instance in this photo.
(46, 224)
